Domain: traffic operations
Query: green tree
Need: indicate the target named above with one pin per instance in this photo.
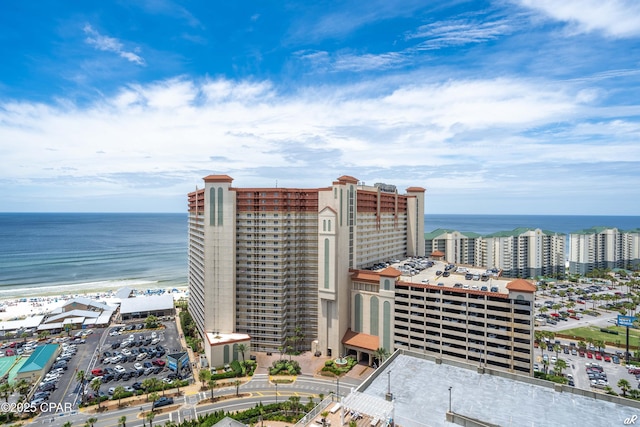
(381, 354)
(204, 375)
(23, 387)
(560, 365)
(81, 377)
(67, 424)
(212, 385)
(295, 403)
(118, 393)
(92, 420)
(151, 322)
(5, 391)
(122, 421)
(242, 348)
(154, 396)
(625, 386)
(237, 383)
(324, 415)
(150, 416)
(95, 386)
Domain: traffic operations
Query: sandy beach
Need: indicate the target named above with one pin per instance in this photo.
(33, 305)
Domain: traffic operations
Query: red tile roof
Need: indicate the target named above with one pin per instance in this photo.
(521, 285)
(348, 179)
(390, 272)
(360, 340)
(365, 276)
(437, 253)
(416, 190)
(218, 178)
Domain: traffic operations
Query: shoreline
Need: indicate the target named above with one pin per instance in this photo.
(41, 301)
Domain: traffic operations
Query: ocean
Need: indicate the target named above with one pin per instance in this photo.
(75, 253)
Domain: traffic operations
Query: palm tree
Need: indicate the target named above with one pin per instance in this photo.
(560, 366)
(153, 398)
(122, 421)
(237, 383)
(67, 424)
(324, 415)
(150, 416)
(5, 391)
(295, 403)
(91, 421)
(212, 384)
(95, 386)
(625, 386)
(23, 387)
(81, 377)
(118, 393)
(381, 354)
(242, 348)
(557, 348)
(204, 375)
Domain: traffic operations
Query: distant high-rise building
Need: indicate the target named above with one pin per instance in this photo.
(603, 248)
(523, 252)
(274, 263)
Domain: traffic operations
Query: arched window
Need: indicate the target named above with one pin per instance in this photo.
(226, 354)
(326, 263)
(220, 203)
(358, 312)
(212, 206)
(386, 325)
(374, 318)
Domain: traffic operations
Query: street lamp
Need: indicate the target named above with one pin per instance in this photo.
(338, 387)
(450, 398)
(276, 393)
(142, 416)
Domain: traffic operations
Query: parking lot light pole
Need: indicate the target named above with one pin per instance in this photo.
(450, 399)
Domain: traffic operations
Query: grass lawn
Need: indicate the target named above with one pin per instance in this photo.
(593, 332)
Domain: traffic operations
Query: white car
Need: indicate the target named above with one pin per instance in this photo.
(138, 366)
(114, 333)
(126, 352)
(120, 369)
(154, 335)
(554, 359)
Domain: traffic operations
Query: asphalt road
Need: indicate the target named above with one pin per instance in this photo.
(259, 388)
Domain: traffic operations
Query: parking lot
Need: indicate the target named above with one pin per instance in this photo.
(585, 370)
(130, 354)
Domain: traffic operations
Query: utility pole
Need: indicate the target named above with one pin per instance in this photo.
(450, 398)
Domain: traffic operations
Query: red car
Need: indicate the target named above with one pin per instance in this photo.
(97, 372)
(158, 362)
(590, 355)
(598, 356)
(581, 353)
(607, 358)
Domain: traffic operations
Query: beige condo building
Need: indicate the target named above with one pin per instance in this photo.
(273, 264)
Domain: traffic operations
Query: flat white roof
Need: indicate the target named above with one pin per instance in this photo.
(141, 304)
(421, 397)
(217, 339)
(29, 322)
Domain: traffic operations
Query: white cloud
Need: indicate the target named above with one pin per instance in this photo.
(615, 18)
(471, 134)
(110, 44)
(459, 32)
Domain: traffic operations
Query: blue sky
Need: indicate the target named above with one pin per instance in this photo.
(495, 107)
